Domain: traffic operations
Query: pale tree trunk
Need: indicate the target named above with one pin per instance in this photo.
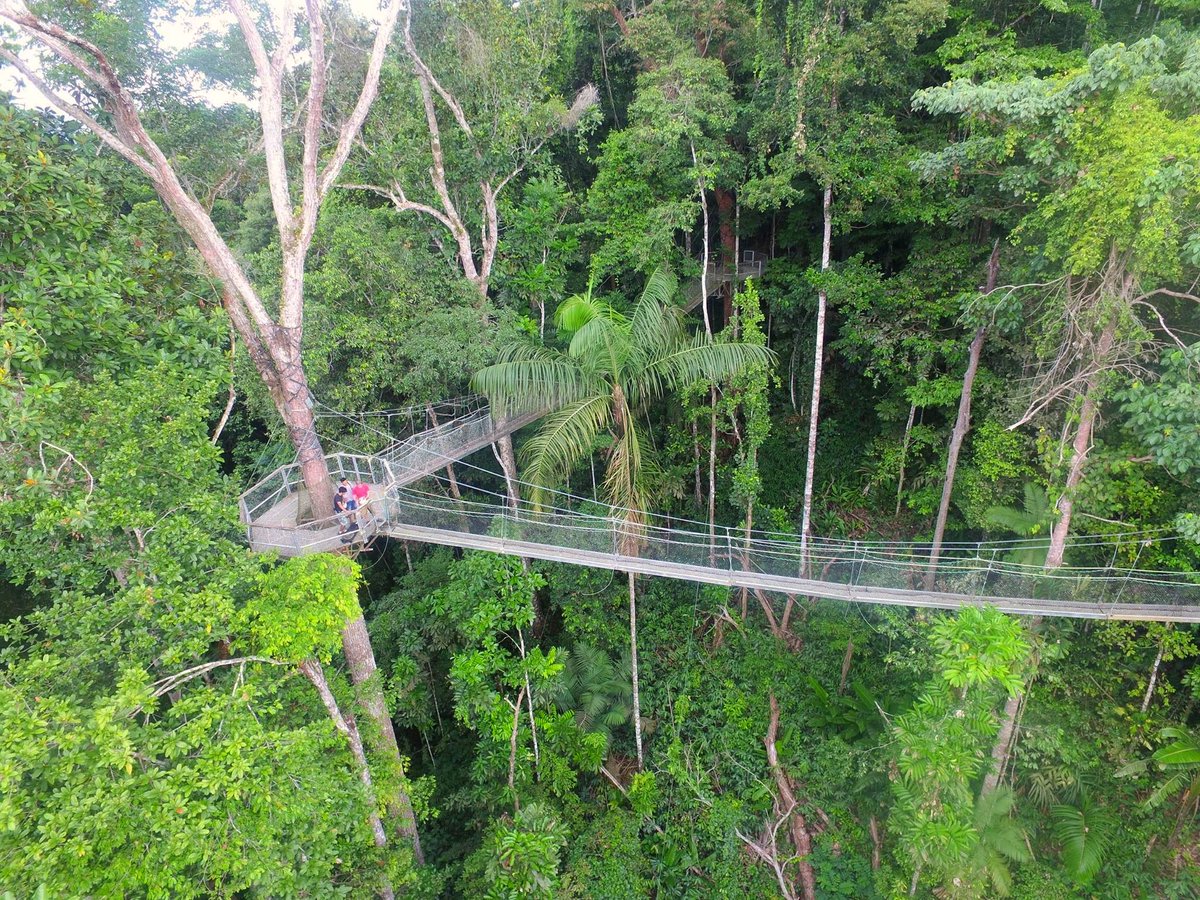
(273, 343)
(507, 457)
(313, 671)
(912, 412)
(712, 391)
(814, 408)
(962, 424)
(1002, 749)
(1081, 446)
(1154, 672)
(747, 532)
(633, 667)
(712, 475)
(704, 247)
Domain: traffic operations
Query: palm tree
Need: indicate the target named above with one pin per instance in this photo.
(613, 366)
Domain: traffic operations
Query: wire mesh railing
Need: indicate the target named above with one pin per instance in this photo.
(579, 530)
(900, 567)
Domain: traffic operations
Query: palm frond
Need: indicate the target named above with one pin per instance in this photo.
(1085, 833)
(579, 310)
(528, 377)
(623, 482)
(601, 346)
(657, 326)
(565, 437)
(702, 360)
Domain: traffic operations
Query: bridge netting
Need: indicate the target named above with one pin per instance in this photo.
(411, 498)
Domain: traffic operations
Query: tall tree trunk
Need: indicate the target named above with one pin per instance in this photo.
(814, 408)
(962, 424)
(712, 473)
(633, 669)
(704, 249)
(912, 412)
(508, 465)
(1081, 446)
(315, 673)
(360, 659)
(1162, 641)
(1009, 720)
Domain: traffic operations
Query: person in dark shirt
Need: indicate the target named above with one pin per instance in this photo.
(341, 509)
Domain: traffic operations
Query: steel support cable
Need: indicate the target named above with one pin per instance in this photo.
(420, 502)
(1014, 543)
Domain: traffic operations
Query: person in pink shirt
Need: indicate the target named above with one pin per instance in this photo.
(360, 492)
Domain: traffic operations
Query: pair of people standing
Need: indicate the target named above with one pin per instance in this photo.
(347, 500)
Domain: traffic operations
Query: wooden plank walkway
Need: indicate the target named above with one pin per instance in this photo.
(732, 577)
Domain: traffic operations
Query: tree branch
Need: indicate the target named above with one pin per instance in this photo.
(426, 75)
(270, 109)
(75, 112)
(370, 89)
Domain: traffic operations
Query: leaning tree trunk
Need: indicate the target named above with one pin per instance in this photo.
(962, 424)
(356, 643)
(1081, 446)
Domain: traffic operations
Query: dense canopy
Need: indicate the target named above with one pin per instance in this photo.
(910, 274)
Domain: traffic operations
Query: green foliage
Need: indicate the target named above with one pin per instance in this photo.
(1086, 832)
(1104, 150)
(595, 689)
(979, 647)
(86, 290)
(941, 743)
(523, 854)
(1163, 413)
(301, 607)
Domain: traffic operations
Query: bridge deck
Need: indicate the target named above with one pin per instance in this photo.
(859, 572)
(735, 577)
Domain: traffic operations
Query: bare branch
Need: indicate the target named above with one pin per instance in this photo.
(69, 457)
(1162, 323)
(270, 109)
(370, 89)
(426, 76)
(77, 113)
(165, 685)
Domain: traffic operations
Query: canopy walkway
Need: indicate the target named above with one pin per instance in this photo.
(409, 500)
(750, 266)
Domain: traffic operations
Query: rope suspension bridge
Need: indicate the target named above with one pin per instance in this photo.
(415, 496)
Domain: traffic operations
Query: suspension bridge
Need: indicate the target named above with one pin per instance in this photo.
(422, 489)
